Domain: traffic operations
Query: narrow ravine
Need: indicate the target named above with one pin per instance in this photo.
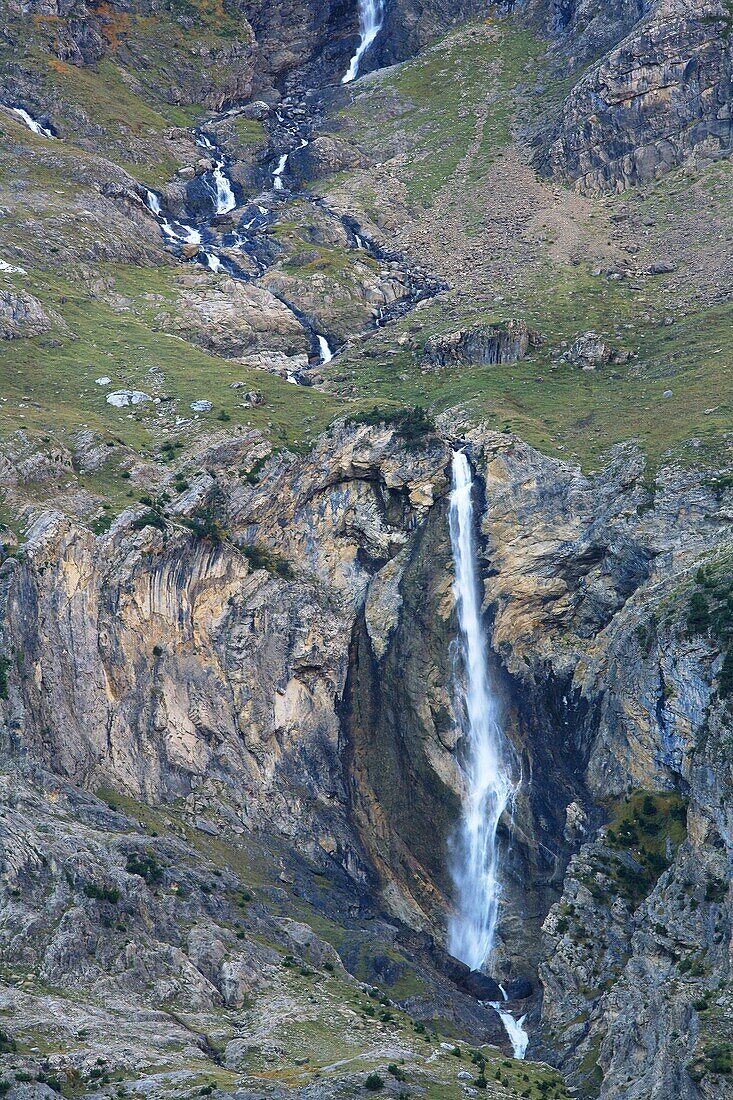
(489, 788)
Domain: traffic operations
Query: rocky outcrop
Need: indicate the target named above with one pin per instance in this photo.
(663, 93)
(482, 344)
(23, 315)
(236, 319)
(589, 351)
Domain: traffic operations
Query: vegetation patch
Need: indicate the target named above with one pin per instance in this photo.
(647, 827)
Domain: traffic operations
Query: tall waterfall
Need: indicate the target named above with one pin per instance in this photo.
(371, 16)
(488, 783)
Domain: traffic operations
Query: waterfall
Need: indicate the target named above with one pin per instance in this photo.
(31, 122)
(518, 1037)
(371, 15)
(277, 174)
(177, 232)
(225, 200)
(324, 348)
(221, 187)
(488, 783)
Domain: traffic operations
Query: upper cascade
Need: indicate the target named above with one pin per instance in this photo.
(371, 17)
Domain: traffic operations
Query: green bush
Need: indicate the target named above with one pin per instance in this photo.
(374, 1082)
(102, 893)
(149, 519)
(260, 557)
(725, 676)
(4, 668)
(205, 525)
(698, 614)
(101, 525)
(412, 424)
(145, 865)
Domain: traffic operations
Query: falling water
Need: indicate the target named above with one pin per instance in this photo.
(371, 14)
(31, 122)
(221, 187)
(518, 1037)
(277, 174)
(177, 232)
(488, 784)
(324, 349)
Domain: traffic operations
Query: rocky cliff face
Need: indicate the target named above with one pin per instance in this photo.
(658, 95)
(273, 653)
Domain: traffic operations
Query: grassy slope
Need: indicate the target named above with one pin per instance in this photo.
(552, 405)
(555, 406)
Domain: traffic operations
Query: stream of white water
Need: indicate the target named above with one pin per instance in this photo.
(371, 16)
(324, 348)
(221, 187)
(489, 788)
(31, 122)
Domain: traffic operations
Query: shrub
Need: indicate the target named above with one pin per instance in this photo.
(260, 557)
(101, 525)
(205, 525)
(145, 865)
(374, 1082)
(149, 519)
(412, 424)
(395, 1071)
(725, 676)
(698, 614)
(102, 893)
(4, 666)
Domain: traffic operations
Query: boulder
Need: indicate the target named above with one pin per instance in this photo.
(253, 399)
(472, 982)
(23, 315)
(589, 351)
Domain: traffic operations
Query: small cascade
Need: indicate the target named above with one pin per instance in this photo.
(31, 122)
(174, 231)
(277, 175)
(221, 187)
(518, 1037)
(371, 17)
(324, 348)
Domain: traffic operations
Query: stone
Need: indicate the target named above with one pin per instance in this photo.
(253, 399)
(589, 351)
